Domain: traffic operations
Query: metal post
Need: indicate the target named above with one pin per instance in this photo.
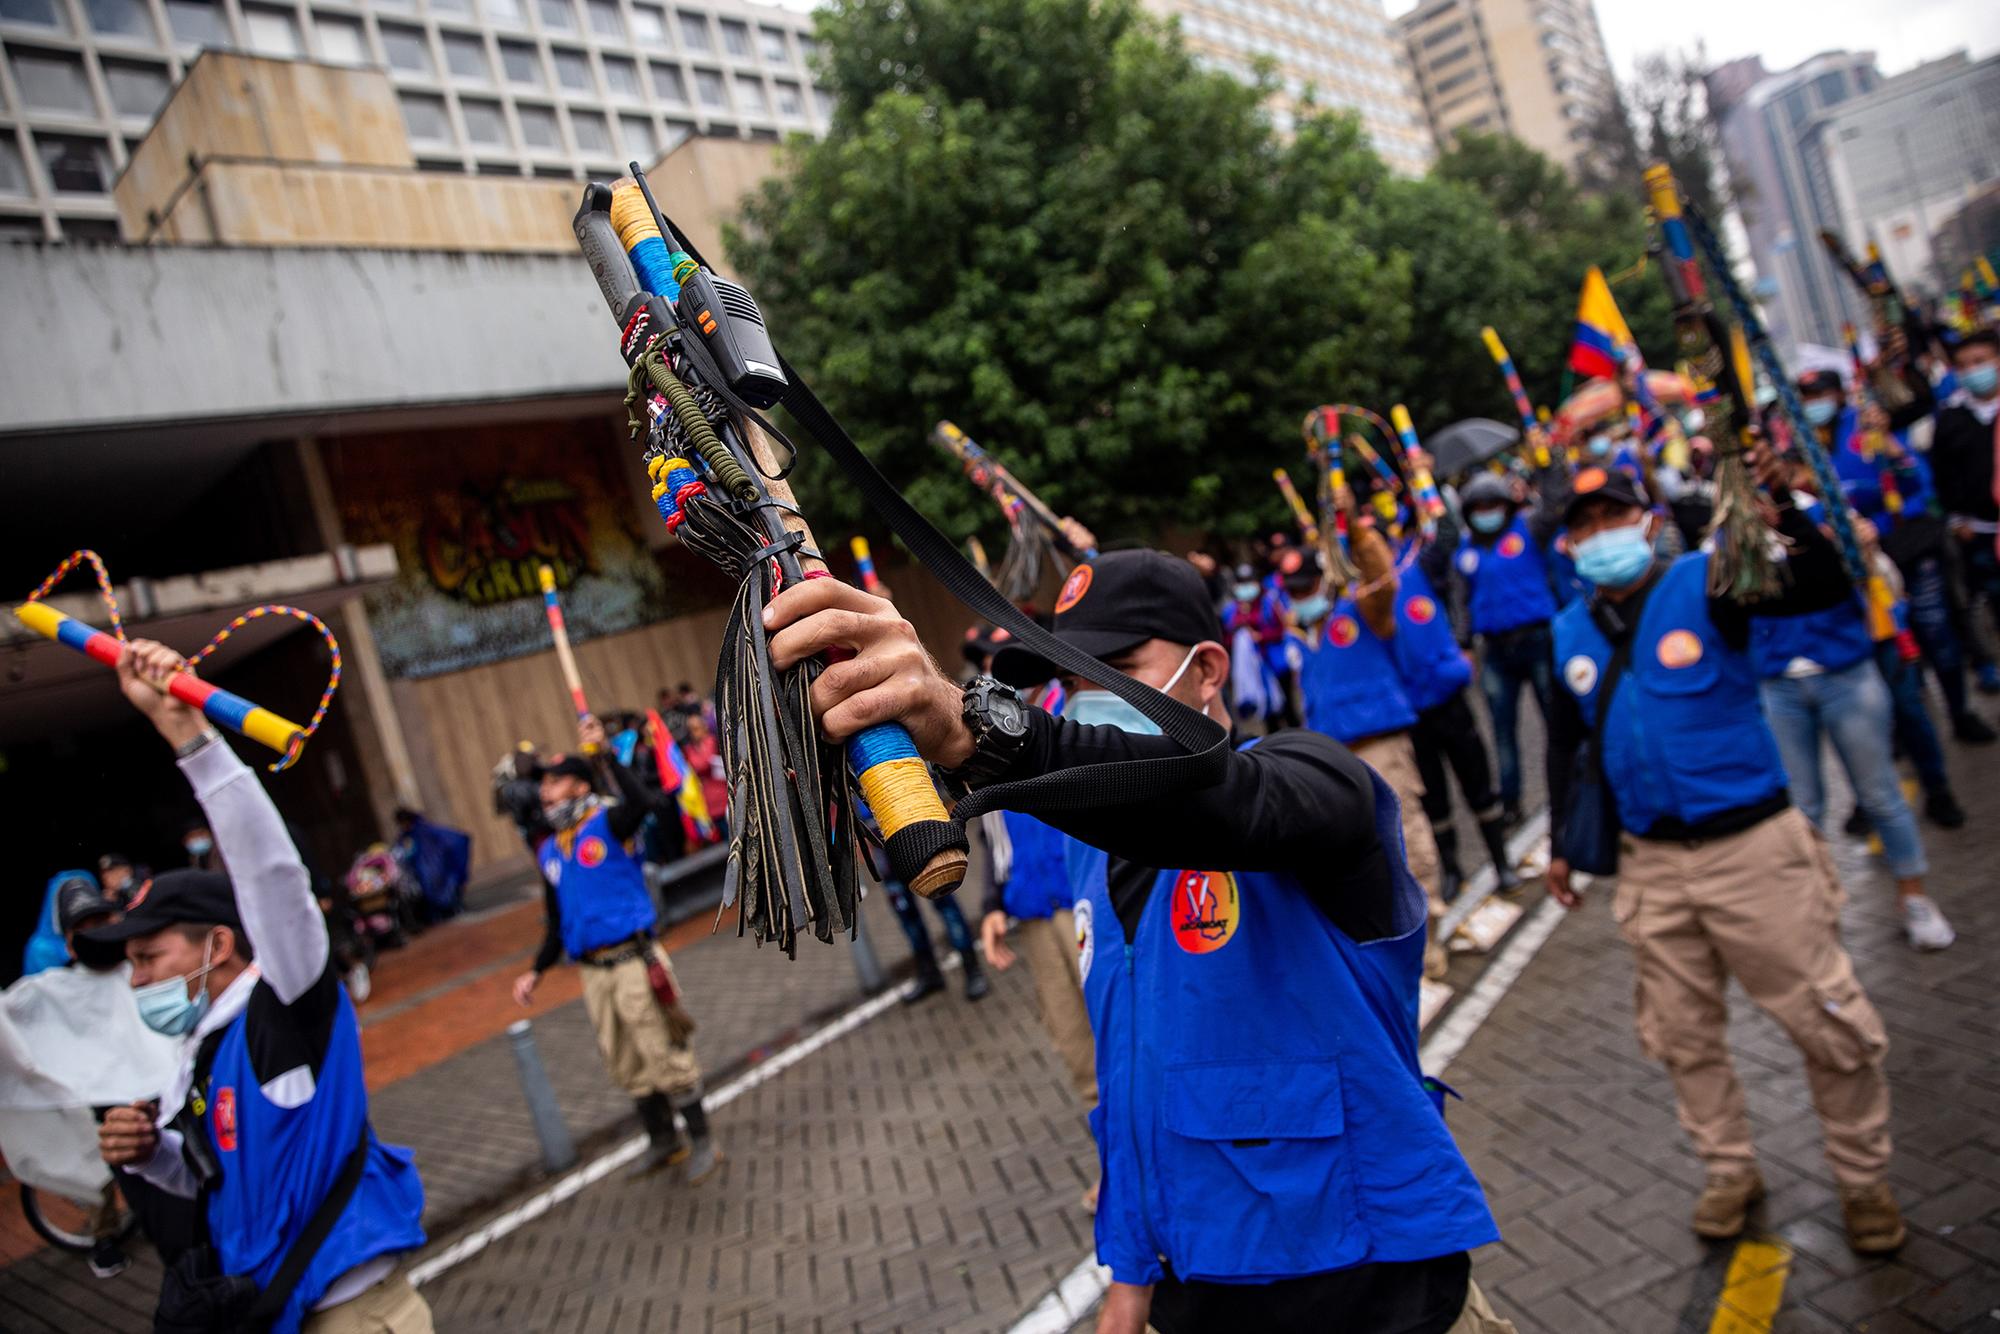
(866, 966)
(558, 1149)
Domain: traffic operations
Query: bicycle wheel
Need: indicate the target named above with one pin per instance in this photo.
(65, 1223)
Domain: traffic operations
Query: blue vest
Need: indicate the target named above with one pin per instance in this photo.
(1350, 682)
(1861, 477)
(1037, 886)
(1507, 580)
(1263, 1114)
(1427, 655)
(1567, 584)
(600, 887)
(1686, 737)
(278, 1163)
(1835, 638)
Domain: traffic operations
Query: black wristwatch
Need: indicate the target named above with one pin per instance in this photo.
(997, 717)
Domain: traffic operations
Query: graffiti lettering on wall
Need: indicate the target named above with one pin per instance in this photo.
(473, 514)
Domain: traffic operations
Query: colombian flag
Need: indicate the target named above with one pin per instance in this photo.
(1602, 339)
(678, 777)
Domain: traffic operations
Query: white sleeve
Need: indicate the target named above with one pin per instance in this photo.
(273, 890)
(166, 1168)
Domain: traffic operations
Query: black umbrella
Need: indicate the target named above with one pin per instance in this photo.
(1463, 446)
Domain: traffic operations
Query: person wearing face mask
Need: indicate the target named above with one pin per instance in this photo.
(1503, 563)
(1250, 950)
(1719, 875)
(600, 912)
(265, 1124)
(1896, 494)
(1965, 435)
(1257, 611)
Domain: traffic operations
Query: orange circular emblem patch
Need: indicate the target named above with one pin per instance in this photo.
(1205, 910)
(592, 852)
(1679, 648)
(1073, 589)
(1589, 480)
(1420, 610)
(1342, 631)
(1511, 546)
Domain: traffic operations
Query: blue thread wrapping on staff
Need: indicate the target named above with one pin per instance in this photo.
(878, 745)
(654, 264)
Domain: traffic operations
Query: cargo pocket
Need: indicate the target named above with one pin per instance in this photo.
(1254, 1169)
(1846, 1032)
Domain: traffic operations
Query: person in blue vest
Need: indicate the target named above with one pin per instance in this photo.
(1502, 562)
(601, 914)
(1820, 682)
(1354, 690)
(1273, 1157)
(266, 1124)
(1891, 487)
(1719, 875)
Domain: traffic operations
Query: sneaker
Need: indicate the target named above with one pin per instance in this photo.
(928, 984)
(702, 1159)
(107, 1259)
(1874, 1223)
(1924, 925)
(1972, 730)
(976, 985)
(1943, 809)
(1723, 1210)
(1857, 825)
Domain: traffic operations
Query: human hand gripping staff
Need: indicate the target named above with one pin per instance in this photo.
(700, 357)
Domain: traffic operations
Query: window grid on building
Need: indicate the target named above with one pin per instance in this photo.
(531, 87)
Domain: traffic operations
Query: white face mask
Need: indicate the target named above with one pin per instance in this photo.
(1101, 708)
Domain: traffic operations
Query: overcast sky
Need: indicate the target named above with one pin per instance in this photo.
(1902, 33)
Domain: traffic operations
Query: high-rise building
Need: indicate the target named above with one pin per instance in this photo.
(1770, 129)
(1342, 51)
(1907, 158)
(524, 87)
(1534, 69)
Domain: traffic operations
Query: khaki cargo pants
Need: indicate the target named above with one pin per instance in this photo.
(1394, 756)
(1049, 945)
(632, 1035)
(390, 1307)
(1762, 906)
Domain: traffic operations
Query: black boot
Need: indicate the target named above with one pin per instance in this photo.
(703, 1157)
(976, 985)
(1494, 834)
(1450, 878)
(1973, 730)
(928, 983)
(663, 1145)
(1943, 809)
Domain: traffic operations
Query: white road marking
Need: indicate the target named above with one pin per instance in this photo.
(1479, 886)
(1443, 1046)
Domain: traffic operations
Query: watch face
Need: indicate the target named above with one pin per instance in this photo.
(1008, 714)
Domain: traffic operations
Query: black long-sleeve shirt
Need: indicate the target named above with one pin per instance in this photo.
(624, 818)
(1962, 464)
(1816, 580)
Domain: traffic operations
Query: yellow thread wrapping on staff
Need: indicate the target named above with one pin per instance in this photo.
(900, 793)
(630, 217)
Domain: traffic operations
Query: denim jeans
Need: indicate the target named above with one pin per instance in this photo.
(914, 930)
(1853, 709)
(1934, 620)
(1916, 737)
(1523, 657)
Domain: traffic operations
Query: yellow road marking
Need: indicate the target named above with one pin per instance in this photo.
(1753, 1289)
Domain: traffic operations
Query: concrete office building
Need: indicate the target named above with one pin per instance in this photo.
(514, 87)
(1344, 51)
(1906, 159)
(1770, 129)
(1533, 69)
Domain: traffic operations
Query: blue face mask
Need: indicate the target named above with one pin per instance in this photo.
(1101, 708)
(1820, 411)
(1247, 592)
(1313, 609)
(1600, 445)
(1981, 381)
(1614, 557)
(165, 1006)
(1488, 521)
(199, 846)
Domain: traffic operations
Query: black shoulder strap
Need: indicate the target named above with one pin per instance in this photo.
(271, 1300)
(1205, 741)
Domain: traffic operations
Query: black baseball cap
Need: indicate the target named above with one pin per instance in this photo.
(1820, 382)
(1118, 602)
(567, 766)
(204, 898)
(78, 899)
(1612, 485)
